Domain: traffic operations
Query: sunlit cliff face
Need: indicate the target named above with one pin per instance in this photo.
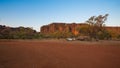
(61, 27)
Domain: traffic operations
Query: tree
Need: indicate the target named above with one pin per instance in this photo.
(95, 27)
(97, 21)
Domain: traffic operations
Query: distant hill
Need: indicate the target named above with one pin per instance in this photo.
(16, 33)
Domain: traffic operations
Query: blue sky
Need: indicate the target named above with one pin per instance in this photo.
(35, 13)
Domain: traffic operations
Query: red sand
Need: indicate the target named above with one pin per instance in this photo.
(59, 54)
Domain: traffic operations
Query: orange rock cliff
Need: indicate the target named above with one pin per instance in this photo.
(53, 27)
(72, 27)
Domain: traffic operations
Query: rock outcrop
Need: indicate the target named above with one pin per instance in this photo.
(53, 27)
(47, 29)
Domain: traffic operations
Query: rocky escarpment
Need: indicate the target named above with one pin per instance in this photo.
(71, 27)
(53, 27)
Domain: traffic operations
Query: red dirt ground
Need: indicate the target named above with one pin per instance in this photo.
(59, 54)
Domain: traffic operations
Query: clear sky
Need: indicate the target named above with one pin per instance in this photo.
(35, 13)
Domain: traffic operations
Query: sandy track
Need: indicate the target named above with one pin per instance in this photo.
(59, 54)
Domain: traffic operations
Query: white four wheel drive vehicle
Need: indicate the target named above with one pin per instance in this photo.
(70, 39)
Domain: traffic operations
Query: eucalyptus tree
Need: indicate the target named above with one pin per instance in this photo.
(96, 25)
